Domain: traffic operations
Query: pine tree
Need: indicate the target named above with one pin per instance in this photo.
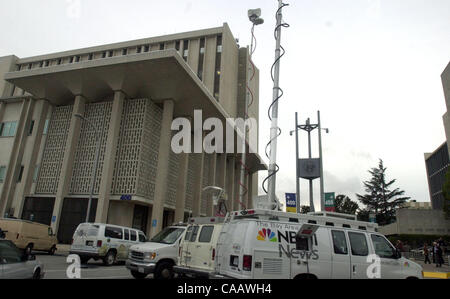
(343, 204)
(379, 199)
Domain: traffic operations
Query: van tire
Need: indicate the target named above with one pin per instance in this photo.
(305, 276)
(110, 258)
(84, 260)
(164, 270)
(28, 249)
(138, 275)
(52, 250)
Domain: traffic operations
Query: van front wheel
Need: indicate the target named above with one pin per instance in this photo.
(29, 249)
(52, 250)
(110, 258)
(138, 275)
(164, 271)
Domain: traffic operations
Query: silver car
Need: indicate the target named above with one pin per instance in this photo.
(14, 264)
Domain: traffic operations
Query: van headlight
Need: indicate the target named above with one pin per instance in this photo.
(150, 255)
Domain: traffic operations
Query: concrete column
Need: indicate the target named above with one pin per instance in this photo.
(69, 156)
(198, 185)
(15, 161)
(250, 191)
(230, 182)
(181, 187)
(42, 107)
(110, 158)
(163, 168)
(213, 171)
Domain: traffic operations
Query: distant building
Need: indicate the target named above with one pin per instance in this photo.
(437, 163)
(417, 205)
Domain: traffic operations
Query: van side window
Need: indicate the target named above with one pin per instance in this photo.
(113, 232)
(127, 234)
(339, 242)
(194, 234)
(382, 247)
(206, 234)
(358, 243)
(133, 235)
(142, 237)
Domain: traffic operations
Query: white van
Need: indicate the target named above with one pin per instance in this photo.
(260, 244)
(107, 242)
(197, 252)
(158, 256)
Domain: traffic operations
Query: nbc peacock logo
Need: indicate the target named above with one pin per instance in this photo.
(266, 234)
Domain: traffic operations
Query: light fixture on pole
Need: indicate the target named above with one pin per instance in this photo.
(219, 199)
(254, 16)
(97, 155)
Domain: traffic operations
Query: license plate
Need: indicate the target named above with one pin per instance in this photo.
(141, 270)
(89, 243)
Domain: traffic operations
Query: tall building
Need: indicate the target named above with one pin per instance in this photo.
(438, 162)
(128, 93)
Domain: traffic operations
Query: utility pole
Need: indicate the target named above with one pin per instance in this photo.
(297, 156)
(274, 129)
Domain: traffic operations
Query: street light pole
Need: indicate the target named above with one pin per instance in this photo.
(94, 174)
(322, 192)
(297, 156)
(311, 196)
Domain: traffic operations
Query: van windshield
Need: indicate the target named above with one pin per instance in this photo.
(168, 236)
(87, 230)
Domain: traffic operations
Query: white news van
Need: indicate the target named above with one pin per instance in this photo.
(262, 244)
(158, 255)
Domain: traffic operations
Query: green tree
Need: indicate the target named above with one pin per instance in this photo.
(343, 204)
(446, 193)
(379, 197)
(305, 209)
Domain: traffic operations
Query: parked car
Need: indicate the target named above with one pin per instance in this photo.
(107, 242)
(15, 264)
(29, 236)
(158, 256)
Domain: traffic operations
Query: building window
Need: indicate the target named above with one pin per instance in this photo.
(185, 49)
(19, 178)
(8, 129)
(91, 56)
(139, 50)
(59, 61)
(110, 54)
(104, 55)
(2, 173)
(162, 46)
(29, 66)
(124, 52)
(77, 58)
(146, 48)
(217, 72)
(201, 58)
(71, 59)
(30, 129)
(177, 45)
(47, 123)
(47, 63)
(41, 64)
(36, 174)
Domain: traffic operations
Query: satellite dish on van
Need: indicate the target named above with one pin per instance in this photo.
(263, 202)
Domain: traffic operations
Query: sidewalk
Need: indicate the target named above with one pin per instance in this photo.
(62, 249)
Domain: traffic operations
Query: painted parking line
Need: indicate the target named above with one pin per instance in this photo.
(436, 275)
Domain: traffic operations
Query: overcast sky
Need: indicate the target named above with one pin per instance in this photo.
(372, 67)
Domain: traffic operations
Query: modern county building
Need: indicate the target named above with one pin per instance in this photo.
(438, 162)
(129, 93)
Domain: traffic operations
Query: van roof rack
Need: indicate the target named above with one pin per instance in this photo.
(206, 220)
(320, 218)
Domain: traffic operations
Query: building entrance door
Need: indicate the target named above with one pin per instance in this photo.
(73, 213)
(140, 218)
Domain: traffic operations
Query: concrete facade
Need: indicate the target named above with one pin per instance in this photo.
(438, 162)
(129, 93)
(418, 222)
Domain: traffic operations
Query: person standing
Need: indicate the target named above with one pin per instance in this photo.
(438, 254)
(426, 253)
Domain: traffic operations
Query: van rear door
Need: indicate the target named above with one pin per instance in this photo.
(359, 250)
(204, 248)
(340, 255)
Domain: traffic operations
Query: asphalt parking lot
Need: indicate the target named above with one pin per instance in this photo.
(56, 268)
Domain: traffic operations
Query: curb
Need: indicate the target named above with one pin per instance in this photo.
(436, 275)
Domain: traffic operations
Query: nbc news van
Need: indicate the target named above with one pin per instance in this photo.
(262, 244)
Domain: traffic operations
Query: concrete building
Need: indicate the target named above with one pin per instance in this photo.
(418, 221)
(129, 93)
(437, 163)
